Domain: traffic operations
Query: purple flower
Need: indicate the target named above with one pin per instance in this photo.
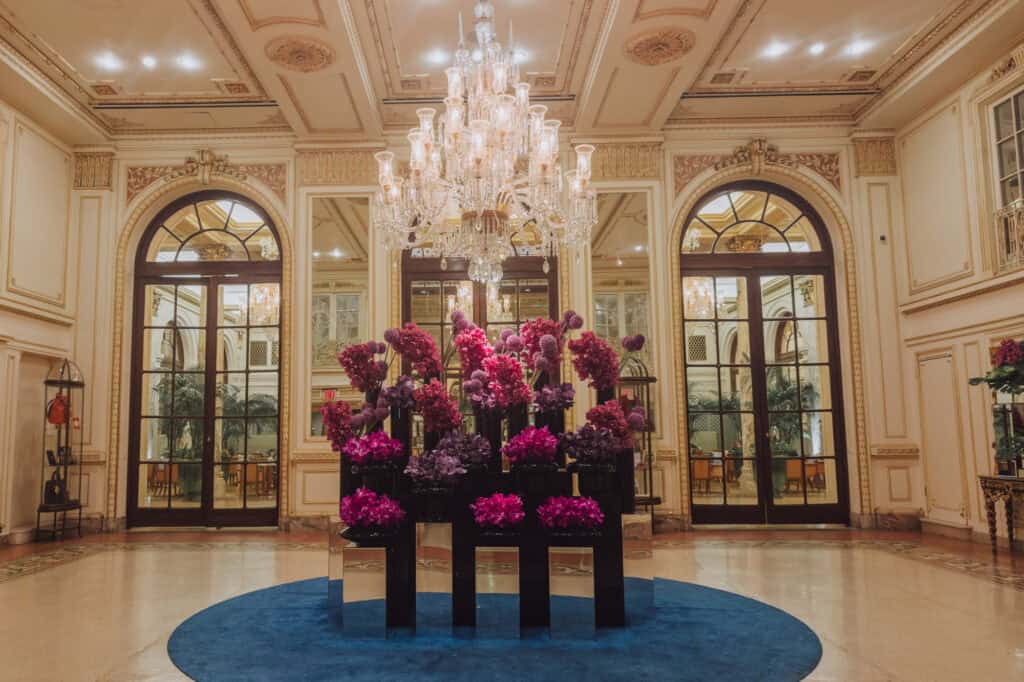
(514, 343)
(549, 346)
(393, 337)
(472, 450)
(373, 448)
(568, 315)
(437, 466)
(541, 363)
(575, 322)
(505, 333)
(634, 344)
(498, 511)
(589, 445)
(570, 512)
(554, 398)
(400, 395)
(637, 419)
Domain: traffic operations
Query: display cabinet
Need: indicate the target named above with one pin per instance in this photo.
(61, 487)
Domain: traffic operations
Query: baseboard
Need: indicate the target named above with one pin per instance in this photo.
(946, 530)
(297, 523)
(671, 523)
(890, 520)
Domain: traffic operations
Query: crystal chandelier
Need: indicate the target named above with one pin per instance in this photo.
(488, 170)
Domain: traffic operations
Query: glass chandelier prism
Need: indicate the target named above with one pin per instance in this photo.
(487, 171)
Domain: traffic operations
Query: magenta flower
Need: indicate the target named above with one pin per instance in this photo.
(634, 344)
(566, 513)
(418, 348)
(533, 333)
(473, 349)
(532, 446)
(337, 424)
(595, 360)
(498, 511)
(440, 413)
(373, 448)
(610, 416)
(1009, 353)
(364, 370)
(505, 381)
(366, 509)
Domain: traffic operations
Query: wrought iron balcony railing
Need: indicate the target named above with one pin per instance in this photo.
(1009, 225)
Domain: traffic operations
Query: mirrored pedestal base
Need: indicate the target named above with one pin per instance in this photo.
(364, 589)
(497, 592)
(571, 574)
(434, 577)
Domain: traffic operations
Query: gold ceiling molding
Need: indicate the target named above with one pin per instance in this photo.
(337, 167)
(256, 23)
(1008, 65)
(699, 12)
(300, 53)
(94, 170)
(204, 166)
(660, 46)
(874, 156)
(758, 154)
(626, 161)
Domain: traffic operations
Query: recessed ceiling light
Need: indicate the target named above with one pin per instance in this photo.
(316, 254)
(188, 61)
(638, 248)
(775, 49)
(858, 47)
(436, 57)
(618, 261)
(149, 61)
(108, 61)
(337, 253)
(816, 49)
(521, 56)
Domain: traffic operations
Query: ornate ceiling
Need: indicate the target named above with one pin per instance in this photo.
(355, 70)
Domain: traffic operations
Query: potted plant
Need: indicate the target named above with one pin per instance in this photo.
(370, 518)
(1007, 377)
(498, 516)
(594, 453)
(568, 518)
(435, 476)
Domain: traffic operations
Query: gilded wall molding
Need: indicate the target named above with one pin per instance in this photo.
(94, 170)
(1014, 62)
(204, 166)
(627, 161)
(899, 451)
(337, 167)
(758, 154)
(874, 156)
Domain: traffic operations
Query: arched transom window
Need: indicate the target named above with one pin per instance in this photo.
(750, 221)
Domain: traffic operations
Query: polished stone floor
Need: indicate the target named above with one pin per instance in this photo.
(887, 606)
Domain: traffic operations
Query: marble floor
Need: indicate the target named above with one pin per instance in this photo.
(887, 606)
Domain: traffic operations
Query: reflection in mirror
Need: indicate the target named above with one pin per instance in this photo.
(340, 288)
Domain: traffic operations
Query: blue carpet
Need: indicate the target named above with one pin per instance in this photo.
(697, 633)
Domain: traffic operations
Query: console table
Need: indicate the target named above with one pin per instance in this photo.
(1005, 489)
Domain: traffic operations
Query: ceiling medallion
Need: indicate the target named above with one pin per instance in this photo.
(299, 53)
(660, 46)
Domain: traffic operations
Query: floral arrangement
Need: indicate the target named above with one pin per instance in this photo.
(634, 344)
(472, 450)
(337, 418)
(361, 366)
(1007, 375)
(570, 512)
(418, 348)
(498, 511)
(610, 416)
(471, 343)
(438, 467)
(554, 398)
(505, 382)
(590, 446)
(595, 360)
(532, 446)
(542, 342)
(366, 509)
(400, 395)
(440, 413)
(373, 448)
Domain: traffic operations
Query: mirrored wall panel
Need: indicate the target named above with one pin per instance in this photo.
(340, 294)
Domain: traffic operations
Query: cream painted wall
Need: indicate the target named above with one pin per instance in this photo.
(953, 306)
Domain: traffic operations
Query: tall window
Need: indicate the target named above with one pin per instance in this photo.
(1009, 130)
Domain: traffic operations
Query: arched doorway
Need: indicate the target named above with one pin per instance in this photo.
(763, 392)
(204, 441)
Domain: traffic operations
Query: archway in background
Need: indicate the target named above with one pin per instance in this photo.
(766, 437)
(205, 421)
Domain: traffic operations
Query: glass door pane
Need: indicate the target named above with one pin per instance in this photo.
(720, 392)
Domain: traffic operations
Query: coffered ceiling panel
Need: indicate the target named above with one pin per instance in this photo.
(262, 13)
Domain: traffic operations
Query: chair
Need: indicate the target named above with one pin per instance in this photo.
(794, 474)
(815, 474)
(702, 473)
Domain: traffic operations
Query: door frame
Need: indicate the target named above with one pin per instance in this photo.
(211, 274)
(754, 266)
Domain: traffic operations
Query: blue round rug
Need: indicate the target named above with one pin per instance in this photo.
(697, 633)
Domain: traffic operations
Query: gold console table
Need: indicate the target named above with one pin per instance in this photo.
(1008, 490)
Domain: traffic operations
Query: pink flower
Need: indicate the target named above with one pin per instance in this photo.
(473, 349)
(373, 448)
(609, 416)
(505, 381)
(418, 348)
(366, 509)
(533, 333)
(532, 446)
(1009, 353)
(570, 512)
(337, 424)
(596, 360)
(361, 367)
(498, 511)
(440, 413)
